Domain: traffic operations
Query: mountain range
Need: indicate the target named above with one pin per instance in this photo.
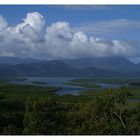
(82, 67)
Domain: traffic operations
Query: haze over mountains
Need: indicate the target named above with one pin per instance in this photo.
(118, 64)
(82, 67)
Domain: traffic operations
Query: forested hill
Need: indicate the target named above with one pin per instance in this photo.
(54, 68)
(84, 67)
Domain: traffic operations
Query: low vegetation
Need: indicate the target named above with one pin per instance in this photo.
(38, 83)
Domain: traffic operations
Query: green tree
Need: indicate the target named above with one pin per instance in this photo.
(45, 117)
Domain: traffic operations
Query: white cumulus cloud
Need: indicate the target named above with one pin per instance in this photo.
(28, 39)
(3, 23)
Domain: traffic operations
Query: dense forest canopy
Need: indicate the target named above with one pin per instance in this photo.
(108, 114)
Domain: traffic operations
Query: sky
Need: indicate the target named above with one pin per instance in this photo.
(51, 32)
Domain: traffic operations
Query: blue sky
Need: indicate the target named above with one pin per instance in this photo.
(53, 31)
(78, 16)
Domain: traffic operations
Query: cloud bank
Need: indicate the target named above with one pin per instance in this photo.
(31, 38)
(88, 7)
(115, 27)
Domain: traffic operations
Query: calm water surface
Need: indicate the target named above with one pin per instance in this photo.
(59, 82)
